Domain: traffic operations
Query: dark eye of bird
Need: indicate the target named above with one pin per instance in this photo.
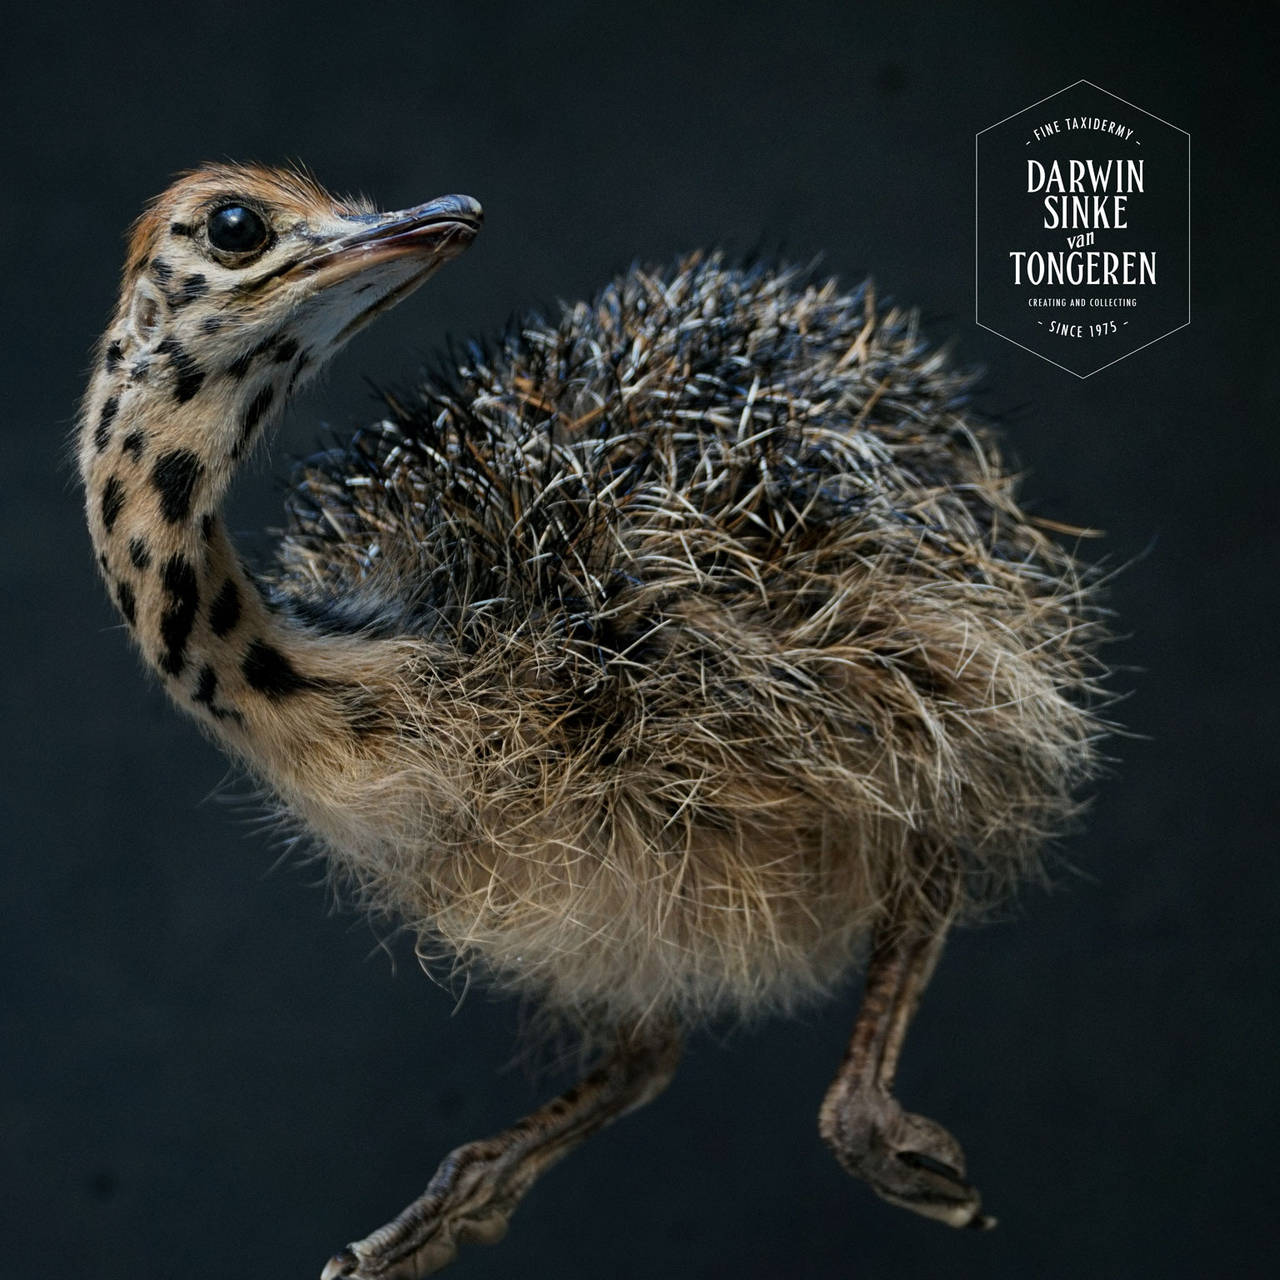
(235, 229)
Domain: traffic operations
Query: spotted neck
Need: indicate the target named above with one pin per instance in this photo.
(160, 439)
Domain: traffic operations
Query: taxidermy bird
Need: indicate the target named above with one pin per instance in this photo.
(659, 662)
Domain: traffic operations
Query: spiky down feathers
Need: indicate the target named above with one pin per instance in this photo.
(732, 642)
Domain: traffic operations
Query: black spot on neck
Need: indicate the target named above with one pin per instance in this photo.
(303, 360)
(134, 443)
(211, 324)
(188, 376)
(128, 605)
(161, 272)
(206, 685)
(174, 476)
(206, 688)
(224, 613)
(102, 433)
(139, 556)
(113, 496)
(243, 362)
(252, 416)
(286, 351)
(179, 616)
(193, 287)
(268, 671)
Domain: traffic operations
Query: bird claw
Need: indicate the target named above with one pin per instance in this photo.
(908, 1160)
(341, 1264)
(477, 1187)
(400, 1251)
(357, 1262)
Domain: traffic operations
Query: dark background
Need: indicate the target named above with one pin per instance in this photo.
(206, 1073)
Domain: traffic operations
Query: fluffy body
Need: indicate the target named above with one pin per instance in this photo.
(720, 641)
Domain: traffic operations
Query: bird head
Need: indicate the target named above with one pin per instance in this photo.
(241, 277)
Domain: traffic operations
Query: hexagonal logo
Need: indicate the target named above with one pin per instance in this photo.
(1082, 228)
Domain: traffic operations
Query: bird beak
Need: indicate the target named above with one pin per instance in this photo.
(433, 233)
(409, 244)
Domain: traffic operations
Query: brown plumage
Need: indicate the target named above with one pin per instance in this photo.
(651, 661)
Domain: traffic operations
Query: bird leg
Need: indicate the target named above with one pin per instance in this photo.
(477, 1186)
(907, 1159)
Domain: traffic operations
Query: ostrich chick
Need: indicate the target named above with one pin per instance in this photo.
(657, 661)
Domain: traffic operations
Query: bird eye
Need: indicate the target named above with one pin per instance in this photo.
(235, 229)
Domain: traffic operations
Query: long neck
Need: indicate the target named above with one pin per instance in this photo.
(158, 446)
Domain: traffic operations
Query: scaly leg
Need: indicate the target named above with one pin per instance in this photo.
(477, 1186)
(907, 1159)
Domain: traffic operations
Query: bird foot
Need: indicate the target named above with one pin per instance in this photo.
(477, 1187)
(465, 1203)
(906, 1159)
